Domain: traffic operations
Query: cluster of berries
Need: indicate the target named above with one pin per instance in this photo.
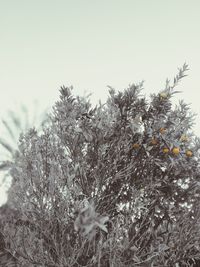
(166, 150)
(176, 151)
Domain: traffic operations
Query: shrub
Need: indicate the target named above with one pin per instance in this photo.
(87, 196)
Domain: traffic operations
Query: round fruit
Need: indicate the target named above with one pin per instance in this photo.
(154, 141)
(163, 95)
(165, 150)
(176, 150)
(188, 153)
(162, 130)
(136, 146)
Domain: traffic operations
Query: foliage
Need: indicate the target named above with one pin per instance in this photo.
(13, 126)
(111, 185)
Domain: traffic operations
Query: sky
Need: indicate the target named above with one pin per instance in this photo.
(90, 44)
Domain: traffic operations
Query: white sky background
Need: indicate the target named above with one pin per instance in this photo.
(94, 43)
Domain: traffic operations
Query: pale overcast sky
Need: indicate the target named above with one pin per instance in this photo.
(94, 43)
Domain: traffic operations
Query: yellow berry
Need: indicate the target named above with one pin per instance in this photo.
(165, 150)
(136, 146)
(188, 153)
(176, 150)
(163, 95)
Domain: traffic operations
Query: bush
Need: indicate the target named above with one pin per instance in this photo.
(111, 185)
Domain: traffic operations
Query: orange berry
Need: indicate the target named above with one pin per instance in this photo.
(188, 153)
(165, 150)
(136, 146)
(154, 141)
(176, 150)
(162, 130)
